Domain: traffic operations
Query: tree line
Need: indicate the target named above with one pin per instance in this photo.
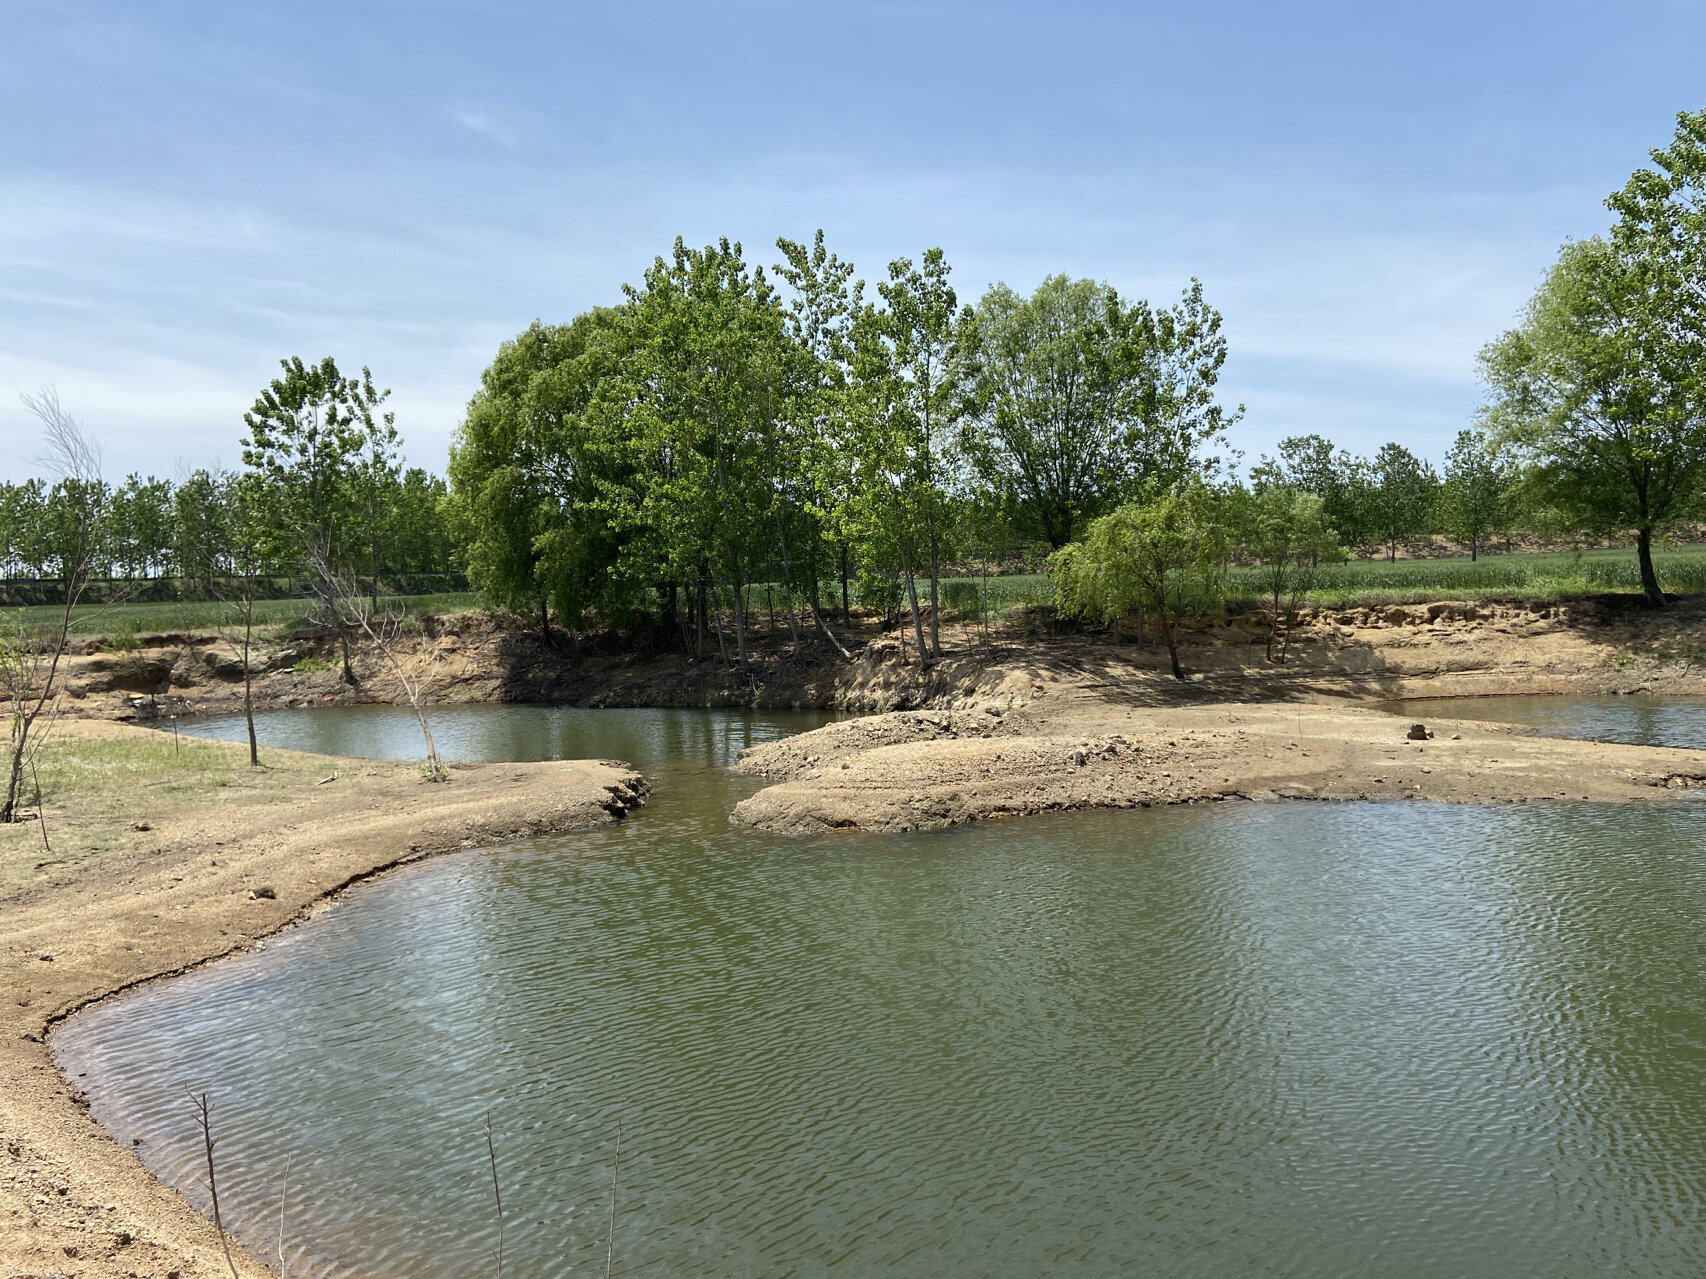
(724, 425)
(1595, 421)
(382, 519)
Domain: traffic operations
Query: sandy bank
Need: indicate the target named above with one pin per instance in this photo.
(155, 871)
(921, 770)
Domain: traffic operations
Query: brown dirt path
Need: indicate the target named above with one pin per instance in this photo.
(117, 905)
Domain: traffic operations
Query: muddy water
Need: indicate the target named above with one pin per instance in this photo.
(1287, 1039)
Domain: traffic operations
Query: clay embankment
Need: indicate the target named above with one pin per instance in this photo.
(1401, 651)
(160, 870)
(921, 770)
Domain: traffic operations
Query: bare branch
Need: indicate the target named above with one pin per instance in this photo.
(70, 453)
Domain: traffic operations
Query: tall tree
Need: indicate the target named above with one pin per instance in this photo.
(1473, 496)
(1079, 400)
(1402, 497)
(906, 385)
(702, 391)
(308, 434)
(1589, 392)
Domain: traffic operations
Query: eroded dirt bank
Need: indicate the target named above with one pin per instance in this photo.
(153, 884)
(1403, 651)
(920, 770)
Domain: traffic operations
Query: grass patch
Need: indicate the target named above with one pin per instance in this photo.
(128, 621)
(1531, 575)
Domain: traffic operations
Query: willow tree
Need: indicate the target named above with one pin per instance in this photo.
(1167, 555)
(528, 468)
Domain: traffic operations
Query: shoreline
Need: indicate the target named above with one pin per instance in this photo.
(928, 770)
(1061, 726)
(73, 1200)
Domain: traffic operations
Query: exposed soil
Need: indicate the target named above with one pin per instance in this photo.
(1076, 747)
(1607, 645)
(157, 880)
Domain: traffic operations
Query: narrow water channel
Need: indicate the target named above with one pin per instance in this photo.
(1293, 1039)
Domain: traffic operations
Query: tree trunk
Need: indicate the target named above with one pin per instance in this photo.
(545, 620)
(248, 679)
(701, 623)
(846, 608)
(1650, 591)
(740, 620)
(1472, 549)
(917, 621)
(1170, 629)
(935, 606)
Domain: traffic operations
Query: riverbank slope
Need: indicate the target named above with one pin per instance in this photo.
(174, 854)
(1442, 649)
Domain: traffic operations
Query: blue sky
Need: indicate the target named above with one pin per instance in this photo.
(1368, 192)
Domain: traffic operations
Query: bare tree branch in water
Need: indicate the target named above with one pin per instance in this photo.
(610, 1253)
(492, 1154)
(283, 1265)
(204, 1120)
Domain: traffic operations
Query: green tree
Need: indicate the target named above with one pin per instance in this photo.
(1343, 482)
(1586, 391)
(1079, 401)
(702, 393)
(1167, 556)
(1402, 497)
(1473, 497)
(905, 391)
(203, 532)
(309, 433)
(1286, 532)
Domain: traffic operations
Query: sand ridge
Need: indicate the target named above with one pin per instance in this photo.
(923, 770)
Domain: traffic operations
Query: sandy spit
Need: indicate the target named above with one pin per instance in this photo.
(921, 770)
(72, 1201)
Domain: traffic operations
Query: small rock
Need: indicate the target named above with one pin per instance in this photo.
(140, 826)
(1457, 737)
(1418, 733)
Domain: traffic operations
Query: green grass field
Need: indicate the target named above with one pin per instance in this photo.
(165, 618)
(1530, 575)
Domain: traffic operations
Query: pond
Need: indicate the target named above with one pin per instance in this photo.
(1294, 1039)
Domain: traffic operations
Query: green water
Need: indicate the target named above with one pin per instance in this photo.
(1295, 1039)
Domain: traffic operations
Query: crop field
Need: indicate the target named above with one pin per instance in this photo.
(133, 620)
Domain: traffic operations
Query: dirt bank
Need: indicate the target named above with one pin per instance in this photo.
(1404, 651)
(163, 863)
(920, 770)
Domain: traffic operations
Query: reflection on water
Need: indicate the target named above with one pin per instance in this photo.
(1284, 1040)
(1640, 721)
